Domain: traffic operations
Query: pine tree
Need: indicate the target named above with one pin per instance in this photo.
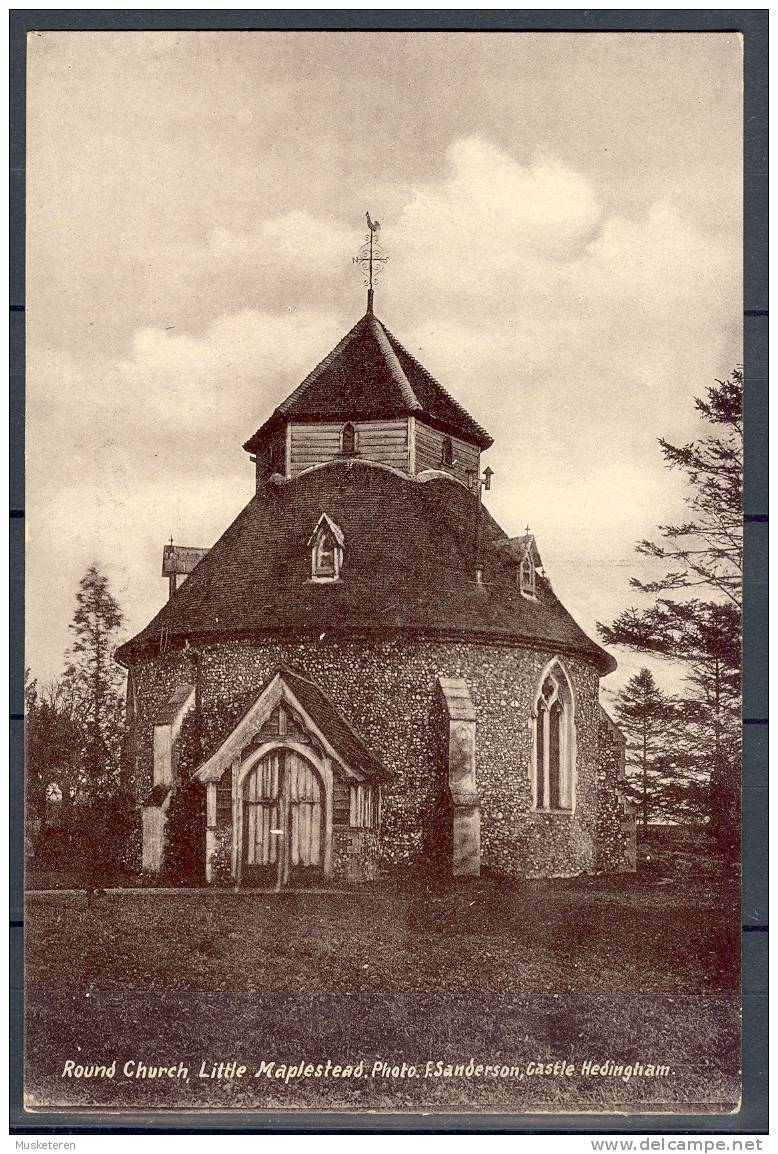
(707, 550)
(646, 716)
(704, 635)
(92, 674)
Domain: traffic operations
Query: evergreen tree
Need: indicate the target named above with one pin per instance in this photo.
(94, 677)
(704, 635)
(707, 550)
(646, 716)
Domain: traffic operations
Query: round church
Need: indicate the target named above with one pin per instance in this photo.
(365, 673)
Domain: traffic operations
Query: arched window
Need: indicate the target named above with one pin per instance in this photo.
(324, 564)
(527, 576)
(326, 546)
(447, 452)
(553, 743)
(348, 440)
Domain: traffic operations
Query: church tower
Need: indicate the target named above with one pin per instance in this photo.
(369, 399)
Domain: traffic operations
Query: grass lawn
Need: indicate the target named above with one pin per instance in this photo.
(635, 969)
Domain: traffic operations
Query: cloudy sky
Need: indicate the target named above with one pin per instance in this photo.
(562, 214)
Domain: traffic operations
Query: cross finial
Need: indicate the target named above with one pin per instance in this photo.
(171, 538)
(526, 530)
(371, 258)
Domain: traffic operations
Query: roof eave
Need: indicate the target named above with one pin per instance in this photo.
(482, 439)
(255, 442)
(135, 648)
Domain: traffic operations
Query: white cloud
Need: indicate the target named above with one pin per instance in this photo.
(297, 241)
(497, 210)
(178, 390)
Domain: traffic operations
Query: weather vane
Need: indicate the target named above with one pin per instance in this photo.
(371, 258)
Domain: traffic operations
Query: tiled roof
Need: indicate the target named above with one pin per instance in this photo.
(408, 565)
(348, 743)
(518, 547)
(370, 376)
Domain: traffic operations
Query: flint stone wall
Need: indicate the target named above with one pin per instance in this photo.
(386, 688)
(356, 855)
(616, 832)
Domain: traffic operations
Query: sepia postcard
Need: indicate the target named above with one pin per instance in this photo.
(384, 447)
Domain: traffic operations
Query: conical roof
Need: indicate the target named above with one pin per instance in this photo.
(369, 375)
(408, 567)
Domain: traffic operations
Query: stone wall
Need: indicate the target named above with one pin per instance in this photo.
(616, 833)
(355, 855)
(386, 688)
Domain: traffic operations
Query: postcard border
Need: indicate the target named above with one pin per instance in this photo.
(753, 26)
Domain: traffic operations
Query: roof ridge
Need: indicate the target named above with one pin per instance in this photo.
(395, 368)
(460, 408)
(316, 372)
(289, 670)
(393, 383)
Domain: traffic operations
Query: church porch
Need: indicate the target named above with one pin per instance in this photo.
(293, 795)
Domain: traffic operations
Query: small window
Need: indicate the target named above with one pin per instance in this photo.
(447, 452)
(527, 576)
(348, 440)
(341, 802)
(324, 564)
(363, 807)
(224, 798)
(326, 546)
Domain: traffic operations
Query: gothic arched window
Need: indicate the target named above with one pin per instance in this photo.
(447, 452)
(527, 576)
(324, 559)
(553, 762)
(326, 546)
(348, 440)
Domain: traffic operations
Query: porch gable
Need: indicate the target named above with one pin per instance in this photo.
(339, 741)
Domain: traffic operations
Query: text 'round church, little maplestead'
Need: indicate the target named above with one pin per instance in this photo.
(365, 674)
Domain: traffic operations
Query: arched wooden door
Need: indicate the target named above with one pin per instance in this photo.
(283, 820)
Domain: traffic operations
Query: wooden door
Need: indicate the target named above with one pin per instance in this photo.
(261, 819)
(305, 817)
(283, 821)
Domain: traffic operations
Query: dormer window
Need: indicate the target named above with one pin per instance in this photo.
(326, 546)
(324, 560)
(447, 452)
(348, 440)
(527, 575)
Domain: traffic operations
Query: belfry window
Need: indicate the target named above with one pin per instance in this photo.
(348, 440)
(447, 452)
(553, 762)
(326, 546)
